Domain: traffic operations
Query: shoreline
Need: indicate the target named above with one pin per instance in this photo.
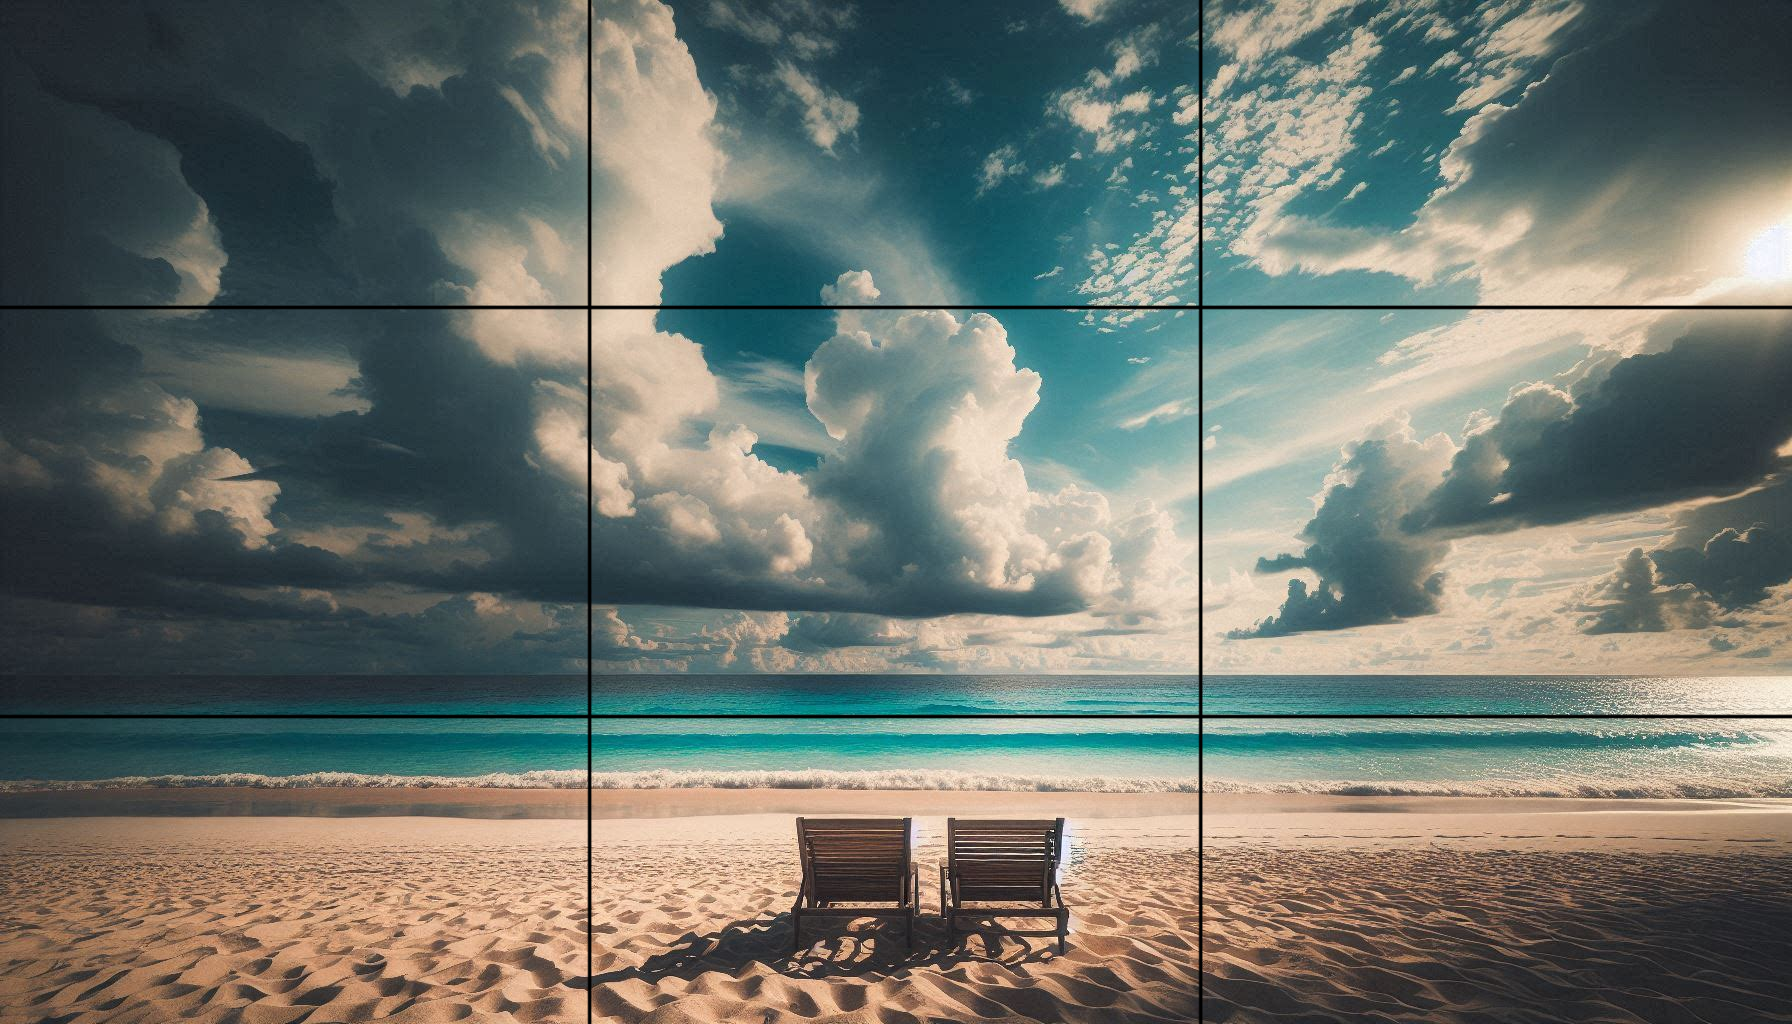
(1236, 824)
(1229, 820)
(314, 802)
(612, 804)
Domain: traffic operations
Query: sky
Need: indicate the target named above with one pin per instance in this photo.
(849, 488)
(413, 491)
(1497, 490)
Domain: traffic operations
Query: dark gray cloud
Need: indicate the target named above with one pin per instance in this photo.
(822, 631)
(108, 476)
(1630, 600)
(127, 500)
(292, 152)
(1705, 416)
(1733, 550)
(1370, 569)
(456, 635)
(128, 209)
(289, 491)
(227, 476)
(1701, 413)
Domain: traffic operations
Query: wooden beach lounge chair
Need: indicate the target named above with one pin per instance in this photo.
(851, 862)
(1010, 863)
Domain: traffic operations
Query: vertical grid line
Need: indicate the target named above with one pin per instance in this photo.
(1200, 512)
(590, 501)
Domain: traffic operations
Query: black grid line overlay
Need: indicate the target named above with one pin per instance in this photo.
(1066, 307)
(1200, 511)
(590, 307)
(590, 503)
(1202, 306)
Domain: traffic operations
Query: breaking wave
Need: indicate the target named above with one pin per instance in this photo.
(657, 779)
(929, 779)
(1587, 789)
(557, 779)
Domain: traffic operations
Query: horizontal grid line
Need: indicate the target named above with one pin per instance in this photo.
(1508, 715)
(551, 307)
(1465, 307)
(1489, 307)
(297, 715)
(285, 307)
(912, 716)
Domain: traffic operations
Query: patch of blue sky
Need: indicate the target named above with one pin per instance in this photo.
(987, 163)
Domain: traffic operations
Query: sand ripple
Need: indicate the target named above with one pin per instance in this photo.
(687, 936)
(1342, 935)
(318, 925)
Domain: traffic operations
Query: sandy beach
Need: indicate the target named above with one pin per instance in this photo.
(1317, 909)
(280, 919)
(318, 802)
(1346, 909)
(360, 915)
(692, 924)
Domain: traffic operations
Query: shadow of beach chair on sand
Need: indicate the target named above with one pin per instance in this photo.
(1013, 864)
(856, 867)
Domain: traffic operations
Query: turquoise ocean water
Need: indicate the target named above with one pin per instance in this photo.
(1277, 746)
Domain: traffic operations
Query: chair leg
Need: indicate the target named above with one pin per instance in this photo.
(796, 933)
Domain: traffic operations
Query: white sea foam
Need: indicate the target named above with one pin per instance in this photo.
(1663, 788)
(915, 778)
(1656, 788)
(558, 779)
(659, 779)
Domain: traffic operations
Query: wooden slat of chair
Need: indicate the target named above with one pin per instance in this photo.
(855, 860)
(1004, 861)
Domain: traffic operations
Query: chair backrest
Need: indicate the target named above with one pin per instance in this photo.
(855, 860)
(1004, 860)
